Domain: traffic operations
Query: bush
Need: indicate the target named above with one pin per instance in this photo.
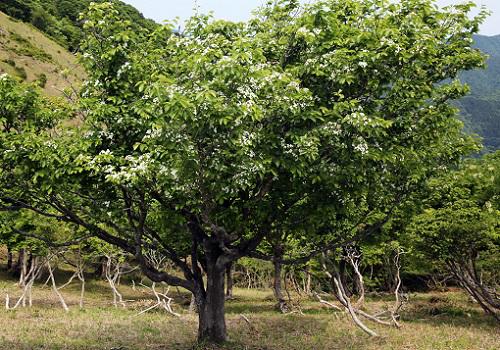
(21, 73)
(42, 80)
(9, 62)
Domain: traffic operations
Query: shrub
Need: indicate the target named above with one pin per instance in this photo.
(42, 80)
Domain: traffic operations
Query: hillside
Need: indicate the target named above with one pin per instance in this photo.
(481, 109)
(59, 19)
(28, 54)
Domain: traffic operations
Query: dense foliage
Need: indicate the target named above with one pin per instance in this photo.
(460, 227)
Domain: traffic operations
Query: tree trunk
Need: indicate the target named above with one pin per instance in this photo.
(9, 259)
(100, 268)
(278, 294)
(343, 276)
(193, 306)
(212, 322)
(229, 281)
(23, 264)
(17, 266)
(277, 282)
(30, 261)
(357, 285)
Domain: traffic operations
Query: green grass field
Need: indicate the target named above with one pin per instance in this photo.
(437, 321)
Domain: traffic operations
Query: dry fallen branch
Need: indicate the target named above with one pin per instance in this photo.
(327, 303)
(353, 310)
(162, 299)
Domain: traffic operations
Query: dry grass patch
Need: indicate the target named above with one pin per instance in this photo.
(36, 54)
(439, 321)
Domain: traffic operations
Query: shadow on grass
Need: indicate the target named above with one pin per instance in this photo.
(242, 307)
(450, 315)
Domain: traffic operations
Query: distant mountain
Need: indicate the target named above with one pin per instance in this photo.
(481, 109)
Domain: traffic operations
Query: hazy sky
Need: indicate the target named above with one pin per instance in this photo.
(160, 10)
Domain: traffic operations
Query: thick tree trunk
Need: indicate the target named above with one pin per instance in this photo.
(212, 322)
(278, 294)
(229, 281)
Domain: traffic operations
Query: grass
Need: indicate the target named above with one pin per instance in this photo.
(437, 321)
(23, 47)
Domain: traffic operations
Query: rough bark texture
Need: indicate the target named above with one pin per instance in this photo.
(229, 281)
(277, 282)
(278, 294)
(212, 323)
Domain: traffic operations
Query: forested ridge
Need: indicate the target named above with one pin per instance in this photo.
(481, 109)
(299, 180)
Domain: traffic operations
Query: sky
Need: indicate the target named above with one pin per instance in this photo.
(238, 10)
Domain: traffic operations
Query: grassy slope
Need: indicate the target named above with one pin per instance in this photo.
(32, 51)
(434, 321)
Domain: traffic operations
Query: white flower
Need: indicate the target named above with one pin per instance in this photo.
(106, 152)
(363, 64)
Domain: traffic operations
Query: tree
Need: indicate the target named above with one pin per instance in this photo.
(42, 19)
(325, 117)
(460, 228)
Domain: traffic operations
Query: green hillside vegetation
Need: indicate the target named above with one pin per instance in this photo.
(481, 109)
(29, 55)
(59, 19)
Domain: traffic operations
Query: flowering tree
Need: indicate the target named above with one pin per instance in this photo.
(203, 143)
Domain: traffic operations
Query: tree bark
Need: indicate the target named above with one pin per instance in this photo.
(278, 294)
(9, 259)
(229, 281)
(17, 266)
(212, 322)
(277, 282)
(343, 276)
(100, 268)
